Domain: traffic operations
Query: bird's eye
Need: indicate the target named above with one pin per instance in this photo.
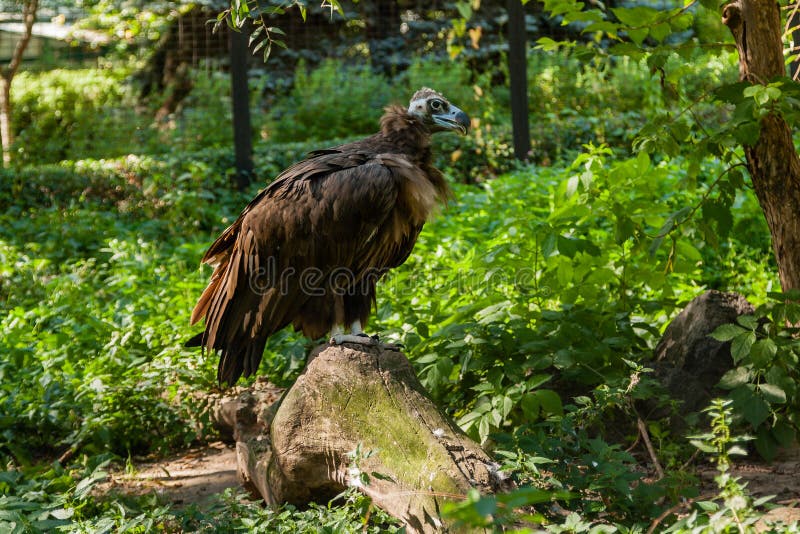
(436, 105)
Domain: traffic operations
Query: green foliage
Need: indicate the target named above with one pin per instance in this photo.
(82, 367)
(69, 500)
(558, 463)
(581, 269)
(763, 383)
(738, 511)
(332, 101)
(530, 307)
(73, 114)
(50, 498)
(573, 103)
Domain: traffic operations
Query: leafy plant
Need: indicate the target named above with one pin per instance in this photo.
(738, 511)
(763, 383)
(332, 101)
(73, 114)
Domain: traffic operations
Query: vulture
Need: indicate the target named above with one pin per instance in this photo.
(310, 247)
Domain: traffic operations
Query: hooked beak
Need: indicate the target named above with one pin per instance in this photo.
(453, 119)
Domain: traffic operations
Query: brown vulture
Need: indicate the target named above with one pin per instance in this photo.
(309, 248)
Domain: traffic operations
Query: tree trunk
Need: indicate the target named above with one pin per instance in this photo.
(350, 396)
(5, 119)
(29, 8)
(794, 31)
(772, 161)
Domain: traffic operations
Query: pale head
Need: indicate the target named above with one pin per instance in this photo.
(436, 112)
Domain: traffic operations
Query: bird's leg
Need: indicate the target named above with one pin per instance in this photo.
(356, 335)
(356, 330)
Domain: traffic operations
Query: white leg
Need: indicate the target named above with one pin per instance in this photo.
(357, 335)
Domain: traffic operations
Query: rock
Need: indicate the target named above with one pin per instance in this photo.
(690, 363)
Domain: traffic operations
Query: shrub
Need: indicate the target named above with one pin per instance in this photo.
(74, 114)
(332, 101)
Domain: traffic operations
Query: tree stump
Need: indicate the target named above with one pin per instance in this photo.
(358, 396)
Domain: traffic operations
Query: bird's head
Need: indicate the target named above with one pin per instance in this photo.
(436, 112)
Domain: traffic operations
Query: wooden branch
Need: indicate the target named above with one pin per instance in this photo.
(29, 9)
(649, 446)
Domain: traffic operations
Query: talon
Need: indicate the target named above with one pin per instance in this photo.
(359, 339)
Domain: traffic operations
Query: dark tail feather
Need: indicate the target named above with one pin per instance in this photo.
(244, 361)
(195, 341)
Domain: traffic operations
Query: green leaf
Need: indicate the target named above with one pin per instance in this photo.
(783, 433)
(766, 444)
(464, 9)
(624, 228)
(659, 32)
(530, 406)
(63, 513)
(747, 321)
(727, 332)
(549, 401)
(638, 35)
(753, 408)
(508, 405)
(734, 378)
(740, 346)
(772, 393)
(737, 450)
(763, 353)
(603, 26)
(547, 44)
(747, 133)
(703, 446)
(708, 506)
(637, 16)
(422, 329)
(484, 428)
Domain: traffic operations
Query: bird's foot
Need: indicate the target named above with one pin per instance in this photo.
(365, 339)
(361, 339)
(397, 347)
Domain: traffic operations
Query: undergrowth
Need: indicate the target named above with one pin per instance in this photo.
(529, 308)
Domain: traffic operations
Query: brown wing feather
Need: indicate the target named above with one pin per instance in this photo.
(317, 214)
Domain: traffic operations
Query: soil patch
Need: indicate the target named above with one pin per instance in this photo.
(195, 476)
(780, 478)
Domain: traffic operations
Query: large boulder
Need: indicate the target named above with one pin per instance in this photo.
(690, 363)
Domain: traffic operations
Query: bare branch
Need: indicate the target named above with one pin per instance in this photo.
(29, 9)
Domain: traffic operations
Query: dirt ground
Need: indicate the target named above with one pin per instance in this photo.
(188, 478)
(195, 475)
(780, 478)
